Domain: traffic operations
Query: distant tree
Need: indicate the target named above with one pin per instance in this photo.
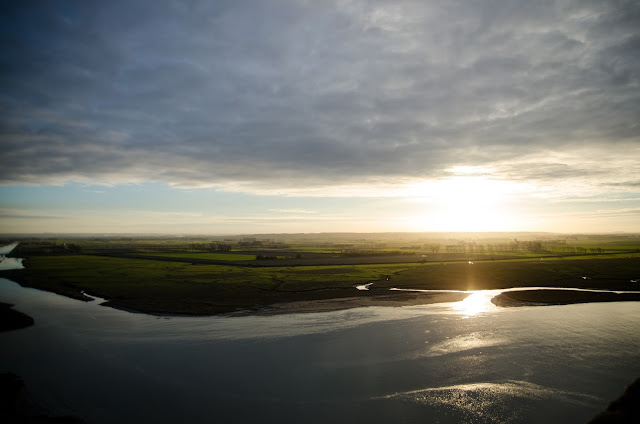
(434, 247)
(73, 248)
(265, 257)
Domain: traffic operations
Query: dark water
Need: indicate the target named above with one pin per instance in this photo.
(444, 363)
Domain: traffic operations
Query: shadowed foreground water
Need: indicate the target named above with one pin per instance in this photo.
(444, 363)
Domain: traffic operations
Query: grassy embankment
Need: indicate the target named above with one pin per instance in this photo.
(178, 287)
(210, 256)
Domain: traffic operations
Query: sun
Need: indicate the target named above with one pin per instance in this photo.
(465, 203)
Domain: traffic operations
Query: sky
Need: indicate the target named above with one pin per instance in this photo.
(287, 116)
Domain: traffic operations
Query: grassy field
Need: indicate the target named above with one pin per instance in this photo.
(178, 287)
(606, 272)
(142, 275)
(212, 256)
(173, 287)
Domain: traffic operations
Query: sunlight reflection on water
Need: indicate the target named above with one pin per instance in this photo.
(462, 343)
(486, 401)
(477, 303)
(450, 362)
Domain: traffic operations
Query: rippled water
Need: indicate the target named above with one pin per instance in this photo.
(461, 362)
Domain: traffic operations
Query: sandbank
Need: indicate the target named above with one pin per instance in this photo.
(394, 299)
(558, 297)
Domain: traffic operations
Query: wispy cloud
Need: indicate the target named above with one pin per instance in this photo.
(295, 211)
(618, 212)
(26, 214)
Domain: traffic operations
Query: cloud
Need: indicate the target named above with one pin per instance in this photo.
(294, 211)
(24, 214)
(303, 97)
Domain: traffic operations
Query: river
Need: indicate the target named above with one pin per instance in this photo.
(443, 363)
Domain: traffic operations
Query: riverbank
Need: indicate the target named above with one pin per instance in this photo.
(17, 405)
(178, 288)
(558, 297)
(395, 299)
(10, 319)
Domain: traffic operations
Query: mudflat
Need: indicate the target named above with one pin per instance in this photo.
(328, 305)
(559, 297)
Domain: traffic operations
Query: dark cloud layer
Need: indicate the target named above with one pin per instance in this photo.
(287, 93)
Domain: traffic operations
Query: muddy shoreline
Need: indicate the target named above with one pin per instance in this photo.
(11, 319)
(558, 297)
(337, 304)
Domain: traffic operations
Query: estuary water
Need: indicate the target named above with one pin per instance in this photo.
(446, 363)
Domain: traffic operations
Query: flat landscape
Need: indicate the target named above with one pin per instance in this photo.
(322, 272)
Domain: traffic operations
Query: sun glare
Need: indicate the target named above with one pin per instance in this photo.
(465, 203)
(476, 303)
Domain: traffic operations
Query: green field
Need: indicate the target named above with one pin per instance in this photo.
(178, 287)
(139, 275)
(212, 256)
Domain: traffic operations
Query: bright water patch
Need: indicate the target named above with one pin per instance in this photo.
(492, 402)
(10, 263)
(5, 250)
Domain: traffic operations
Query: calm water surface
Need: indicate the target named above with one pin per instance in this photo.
(446, 363)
